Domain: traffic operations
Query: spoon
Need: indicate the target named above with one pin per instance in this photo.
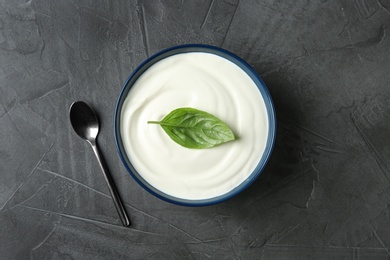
(86, 125)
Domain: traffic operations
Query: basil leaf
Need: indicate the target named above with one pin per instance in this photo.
(193, 128)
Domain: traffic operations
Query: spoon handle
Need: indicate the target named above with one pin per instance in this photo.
(111, 186)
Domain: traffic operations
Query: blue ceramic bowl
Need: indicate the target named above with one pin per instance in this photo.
(205, 49)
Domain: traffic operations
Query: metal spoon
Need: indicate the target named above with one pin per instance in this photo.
(85, 123)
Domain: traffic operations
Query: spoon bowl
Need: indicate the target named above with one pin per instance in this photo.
(84, 121)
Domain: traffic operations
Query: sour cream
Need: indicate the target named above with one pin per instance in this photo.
(206, 82)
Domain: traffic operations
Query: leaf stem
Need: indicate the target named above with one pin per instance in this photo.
(154, 122)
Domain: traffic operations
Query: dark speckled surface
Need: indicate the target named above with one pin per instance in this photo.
(325, 193)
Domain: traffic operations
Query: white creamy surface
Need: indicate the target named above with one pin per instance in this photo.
(206, 82)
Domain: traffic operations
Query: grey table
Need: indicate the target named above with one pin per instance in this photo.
(325, 193)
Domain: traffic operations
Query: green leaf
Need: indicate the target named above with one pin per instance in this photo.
(193, 128)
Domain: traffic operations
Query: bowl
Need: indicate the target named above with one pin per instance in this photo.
(269, 110)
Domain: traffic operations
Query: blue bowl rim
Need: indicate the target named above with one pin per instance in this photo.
(263, 91)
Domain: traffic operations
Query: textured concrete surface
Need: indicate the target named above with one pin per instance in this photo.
(325, 193)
